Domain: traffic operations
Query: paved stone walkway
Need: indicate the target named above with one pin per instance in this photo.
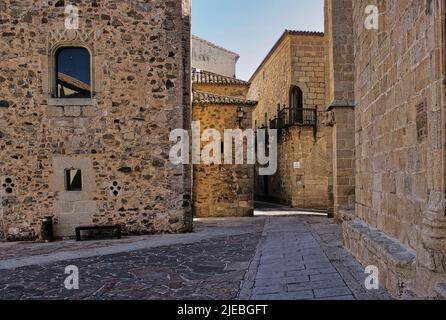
(267, 257)
(301, 257)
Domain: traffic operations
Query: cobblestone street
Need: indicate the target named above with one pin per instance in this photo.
(267, 257)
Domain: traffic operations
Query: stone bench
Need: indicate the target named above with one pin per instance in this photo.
(89, 228)
(396, 261)
(440, 290)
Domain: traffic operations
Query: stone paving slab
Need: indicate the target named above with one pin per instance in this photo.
(277, 257)
(20, 254)
(301, 257)
(211, 269)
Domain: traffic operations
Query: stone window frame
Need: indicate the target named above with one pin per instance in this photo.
(58, 182)
(73, 208)
(70, 39)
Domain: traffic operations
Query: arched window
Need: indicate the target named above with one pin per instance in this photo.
(73, 73)
(296, 105)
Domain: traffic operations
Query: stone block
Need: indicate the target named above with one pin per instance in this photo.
(54, 111)
(72, 111)
(396, 261)
(89, 111)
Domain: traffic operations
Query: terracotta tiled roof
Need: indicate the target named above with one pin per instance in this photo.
(206, 77)
(73, 81)
(305, 33)
(204, 98)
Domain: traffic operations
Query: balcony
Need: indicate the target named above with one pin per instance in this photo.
(289, 117)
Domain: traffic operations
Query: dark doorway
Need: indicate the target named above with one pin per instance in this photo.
(266, 186)
(297, 105)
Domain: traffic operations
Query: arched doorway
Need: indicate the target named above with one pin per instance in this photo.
(296, 105)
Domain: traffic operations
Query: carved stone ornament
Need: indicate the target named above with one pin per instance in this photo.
(329, 119)
(70, 36)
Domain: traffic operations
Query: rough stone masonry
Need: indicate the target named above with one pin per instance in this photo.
(222, 190)
(118, 139)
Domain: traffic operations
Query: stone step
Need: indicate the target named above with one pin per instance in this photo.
(440, 290)
(395, 261)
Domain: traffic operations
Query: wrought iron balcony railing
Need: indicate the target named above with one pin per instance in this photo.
(289, 117)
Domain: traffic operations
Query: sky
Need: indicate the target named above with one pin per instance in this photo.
(75, 62)
(251, 27)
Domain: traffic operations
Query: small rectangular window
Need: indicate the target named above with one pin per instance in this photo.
(73, 180)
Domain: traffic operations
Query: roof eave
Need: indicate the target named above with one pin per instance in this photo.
(279, 42)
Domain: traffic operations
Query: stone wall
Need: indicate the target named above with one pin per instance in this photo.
(305, 186)
(140, 54)
(340, 105)
(297, 59)
(271, 83)
(210, 57)
(399, 223)
(339, 41)
(222, 190)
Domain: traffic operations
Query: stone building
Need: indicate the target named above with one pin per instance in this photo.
(289, 86)
(222, 190)
(213, 58)
(390, 81)
(85, 115)
(340, 107)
